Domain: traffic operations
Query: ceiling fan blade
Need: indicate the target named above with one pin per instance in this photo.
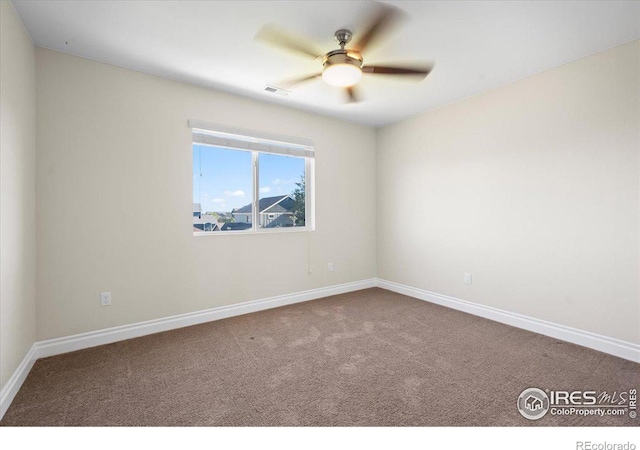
(417, 71)
(293, 81)
(285, 40)
(354, 97)
(384, 17)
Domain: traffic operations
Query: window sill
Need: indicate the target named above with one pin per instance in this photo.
(251, 232)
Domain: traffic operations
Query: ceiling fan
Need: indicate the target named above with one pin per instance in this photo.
(345, 66)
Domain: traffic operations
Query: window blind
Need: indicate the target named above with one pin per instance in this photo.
(223, 136)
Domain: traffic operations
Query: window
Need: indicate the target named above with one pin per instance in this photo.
(245, 181)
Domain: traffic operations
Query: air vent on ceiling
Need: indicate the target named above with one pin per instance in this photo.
(277, 90)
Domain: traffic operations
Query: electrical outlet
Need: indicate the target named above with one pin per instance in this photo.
(467, 278)
(105, 299)
(330, 267)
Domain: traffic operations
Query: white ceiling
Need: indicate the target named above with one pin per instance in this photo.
(476, 45)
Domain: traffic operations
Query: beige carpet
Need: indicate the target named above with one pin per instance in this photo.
(367, 358)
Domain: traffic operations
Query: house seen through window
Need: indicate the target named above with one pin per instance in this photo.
(249, 184)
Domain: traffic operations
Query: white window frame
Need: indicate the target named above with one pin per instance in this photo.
(220, 136)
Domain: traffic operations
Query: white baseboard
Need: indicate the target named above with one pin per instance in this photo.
(9, 390)
(67, 344)
(615, 347)
(108, 335)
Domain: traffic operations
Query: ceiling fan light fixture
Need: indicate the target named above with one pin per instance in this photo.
(342, 75)
(342, 69)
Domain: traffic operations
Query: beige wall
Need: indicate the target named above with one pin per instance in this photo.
(532, 187)
(17, 192)
(115, 201)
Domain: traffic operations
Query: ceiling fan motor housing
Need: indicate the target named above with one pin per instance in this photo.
(342, 57)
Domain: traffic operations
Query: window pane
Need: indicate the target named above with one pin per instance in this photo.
(222, 189)
(282, 191)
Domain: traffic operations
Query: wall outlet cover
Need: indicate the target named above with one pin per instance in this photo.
(105, 298)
